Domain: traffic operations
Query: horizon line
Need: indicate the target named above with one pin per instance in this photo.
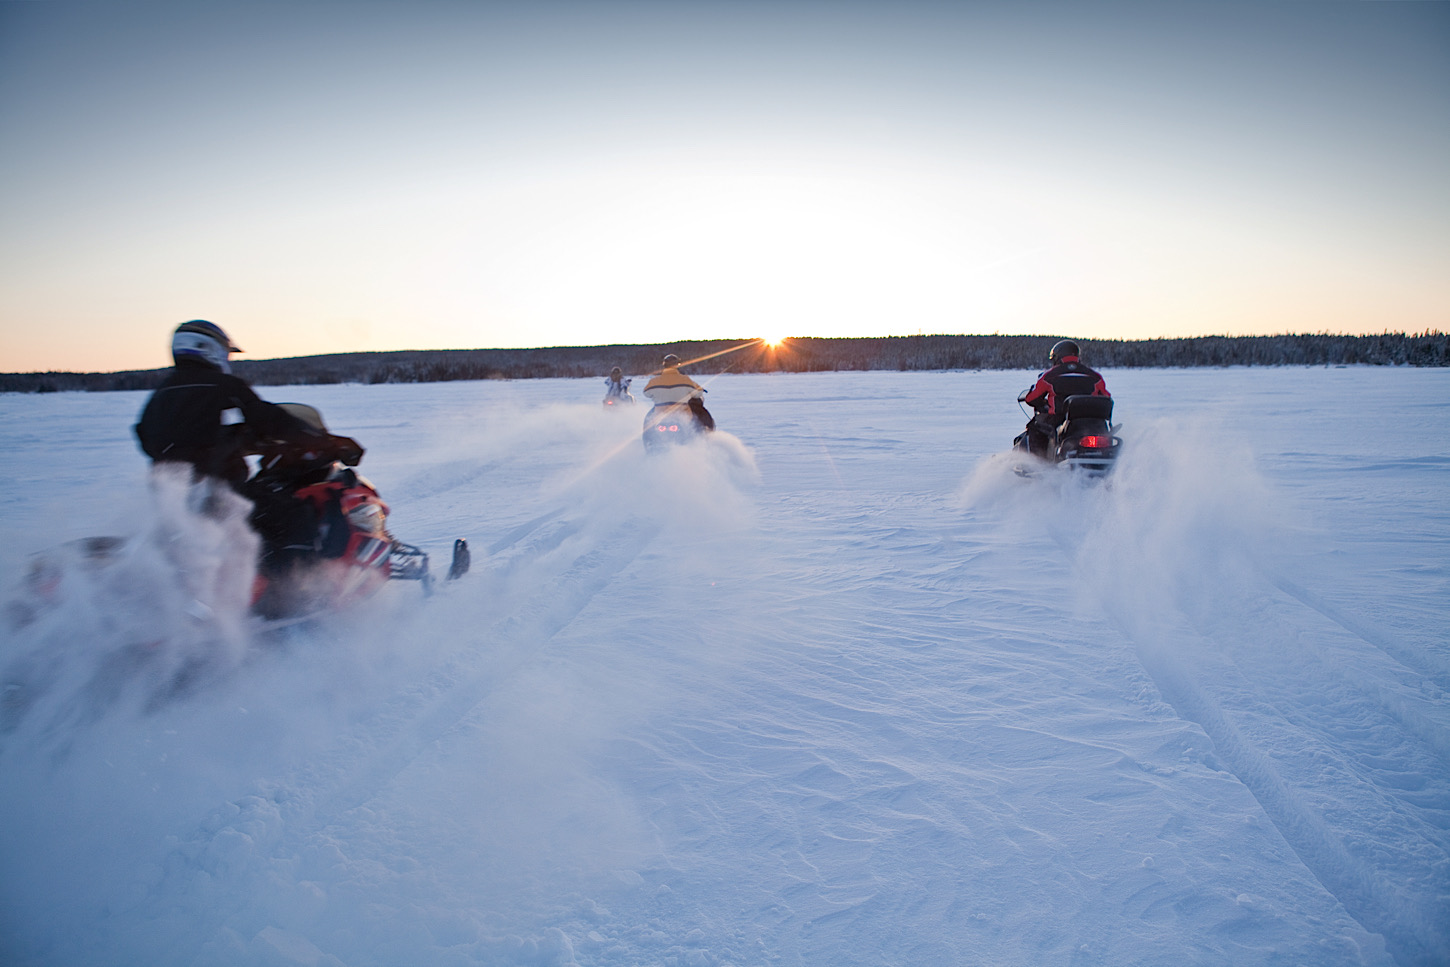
(757, 339)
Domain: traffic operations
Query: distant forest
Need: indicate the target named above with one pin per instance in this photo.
(803, 355)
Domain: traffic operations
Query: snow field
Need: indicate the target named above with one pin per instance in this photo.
(835, 687)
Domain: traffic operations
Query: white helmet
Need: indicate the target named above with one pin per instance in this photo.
(203, 342)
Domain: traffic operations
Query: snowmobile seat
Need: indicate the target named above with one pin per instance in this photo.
(1088, 408)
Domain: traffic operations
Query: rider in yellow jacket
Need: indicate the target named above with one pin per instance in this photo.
(670, 387)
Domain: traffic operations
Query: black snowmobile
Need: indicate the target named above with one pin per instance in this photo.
(670, 424)
(1084, 440)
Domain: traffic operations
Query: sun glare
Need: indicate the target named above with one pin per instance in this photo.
(692, 255)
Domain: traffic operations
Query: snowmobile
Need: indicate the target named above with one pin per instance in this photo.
(323, 529)
(616, 391)
(1083, 441)
(156, 614)
(670, 424)
(324, 533)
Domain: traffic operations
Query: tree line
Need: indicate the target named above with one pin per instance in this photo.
(797, 355)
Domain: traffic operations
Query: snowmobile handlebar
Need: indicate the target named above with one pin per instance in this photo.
(1034, 408)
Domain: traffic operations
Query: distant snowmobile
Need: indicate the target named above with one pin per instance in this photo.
(1083, 441)
(616, 390)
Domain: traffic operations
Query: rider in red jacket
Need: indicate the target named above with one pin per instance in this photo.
(1066, 377)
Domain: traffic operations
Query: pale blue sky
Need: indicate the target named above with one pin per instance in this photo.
(324, 177)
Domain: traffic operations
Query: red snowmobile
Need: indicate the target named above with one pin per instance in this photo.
(323, 529)
(325, 541)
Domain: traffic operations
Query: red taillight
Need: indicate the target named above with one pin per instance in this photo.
(674, 428)
(1096, 442)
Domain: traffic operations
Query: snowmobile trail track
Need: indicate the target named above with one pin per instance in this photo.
(1413, 926)
(1419, 663)
(1411, 931)
(445, 477)
(521, 531)
(453, 691)
(1413, 710)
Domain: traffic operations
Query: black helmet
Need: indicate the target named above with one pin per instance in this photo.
(1063, 349)
(203, 342)
(671, 360)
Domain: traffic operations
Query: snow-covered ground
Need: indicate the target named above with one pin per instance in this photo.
(834, 687)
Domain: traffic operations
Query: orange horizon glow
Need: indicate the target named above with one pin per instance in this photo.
(761, 344)
(385, 188)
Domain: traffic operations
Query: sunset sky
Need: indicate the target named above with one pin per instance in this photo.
(320, 177)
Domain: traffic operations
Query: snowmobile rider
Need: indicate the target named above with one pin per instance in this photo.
(616, 387)
(1067, 376)
(670, 387)
(204, 416)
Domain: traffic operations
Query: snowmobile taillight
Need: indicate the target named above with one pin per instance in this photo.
(1096, 442)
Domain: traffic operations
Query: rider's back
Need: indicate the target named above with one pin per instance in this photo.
(1068, 378)
(671, 387)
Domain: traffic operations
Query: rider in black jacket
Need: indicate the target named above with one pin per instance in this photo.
(204, 416)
